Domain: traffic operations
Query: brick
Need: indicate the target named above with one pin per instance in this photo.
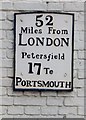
(7, 100)
(21, 101)
(10, 15)
(81, 36)
(32, 93)
(0, 101)
(6, 82)
(84, 81)
(48, 93)
(51, 1)
(29, 6)
(81, 16)
(7, 63)
(0, 90)
(85, 39)
(49, 110)
(3, 53)
(15, 110)
(72, 1)
(2, 15)
(75, 73)
(2, 34)
(1, 56)
(4, 110)
(6, 6)
(33, 1)
(6, 25)
(4, 72)
(79, 26)
(4, 44)
(7, 116)
(32, 110)
(10, 54)
(55, 6)
(68, 110)
(7, 44)
(10, 35)
(81, 54)
(0, 81)
(74, 6)
(4, 91)
(80, 110)
(79, 64)
(76, 14)
(75, 54)
(66, 94)
(10, 72)
(0, 70)
(81, 74)
(78, 83)
(85, 54)
(74, 116)
(12, 93)
(1, 22)
(0, 65)
(85, 66)
(74, 101)
(29, 101)
(75, 62)
(78, 45)
(76, 36)
(81, 92)
(84, 74)
(10, 45)
(85, 110)
(55, 101)
(0, 110)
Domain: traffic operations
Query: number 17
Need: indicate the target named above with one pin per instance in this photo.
(31, 68)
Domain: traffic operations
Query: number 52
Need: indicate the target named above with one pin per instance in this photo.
(39, 21)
